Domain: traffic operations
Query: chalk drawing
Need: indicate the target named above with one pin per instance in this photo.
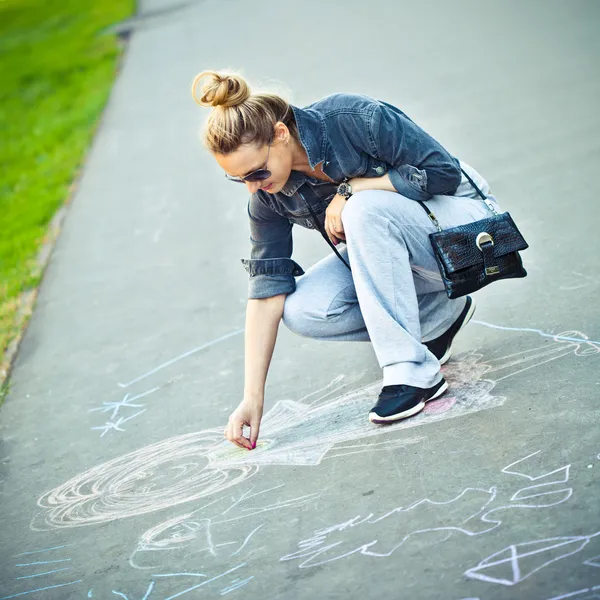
(153, 587)
(582, 279)
(146, 595)
(37, 564)
(330, 544)
(126, 402)
(591, 593)
(49, 587)
(567, 342)
(116, 425)
(472, 513)
(593, 562)
(193, 536)
(518, 562)
(115, 407)
(575, 336)
(181, 357)
(143, 481)
(301, 433)
(44, 550)
(236, 585)
(292, 433)
(44, 573)
(566, 336)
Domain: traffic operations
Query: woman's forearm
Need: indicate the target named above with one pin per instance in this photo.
(262, 323)
(360, 184)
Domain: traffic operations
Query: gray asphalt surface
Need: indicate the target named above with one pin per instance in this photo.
(114, 481)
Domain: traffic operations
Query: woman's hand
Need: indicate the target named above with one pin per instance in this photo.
(333, 220)
(247, 413)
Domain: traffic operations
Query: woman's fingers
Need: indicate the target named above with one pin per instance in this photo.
(334, 232)
(235, 434)
(239, 438)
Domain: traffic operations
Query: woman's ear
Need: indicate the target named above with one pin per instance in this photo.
(282, 133)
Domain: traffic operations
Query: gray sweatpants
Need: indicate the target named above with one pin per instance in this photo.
(394, 296)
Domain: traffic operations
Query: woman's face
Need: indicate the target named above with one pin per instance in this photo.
(277, 158)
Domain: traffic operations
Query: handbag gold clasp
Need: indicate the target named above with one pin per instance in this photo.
(484, 238)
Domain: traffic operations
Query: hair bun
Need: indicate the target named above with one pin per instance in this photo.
(220, 89)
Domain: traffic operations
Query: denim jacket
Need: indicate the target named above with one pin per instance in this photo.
(352, 136)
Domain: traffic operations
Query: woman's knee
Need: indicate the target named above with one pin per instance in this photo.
(356, 207)
(296, 316)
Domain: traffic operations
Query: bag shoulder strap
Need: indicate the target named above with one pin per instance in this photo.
(318, 225)
(483, 196)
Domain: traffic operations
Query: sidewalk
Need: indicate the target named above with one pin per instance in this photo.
(114, 479)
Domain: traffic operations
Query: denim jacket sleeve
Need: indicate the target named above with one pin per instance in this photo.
(270, 267)
(421, 167)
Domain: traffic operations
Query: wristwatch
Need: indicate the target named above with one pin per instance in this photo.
(345, 189)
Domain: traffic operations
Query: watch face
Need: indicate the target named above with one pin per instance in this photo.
(344, 189)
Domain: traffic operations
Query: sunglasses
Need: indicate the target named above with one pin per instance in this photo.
(259, 175)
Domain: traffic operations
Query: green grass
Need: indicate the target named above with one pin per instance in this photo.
(57, 66)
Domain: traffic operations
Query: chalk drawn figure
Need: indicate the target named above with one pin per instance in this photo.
(126, 402)
(115, 407)
(517, 562)
(198, 464)
(203, 536)
(116, 425)
(472, 512)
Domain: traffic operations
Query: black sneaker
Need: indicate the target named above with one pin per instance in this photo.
(441, 347)
(400, 401)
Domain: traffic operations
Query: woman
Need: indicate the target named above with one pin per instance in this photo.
(352, 167)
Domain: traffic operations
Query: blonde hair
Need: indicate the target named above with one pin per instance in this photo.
(238, 116)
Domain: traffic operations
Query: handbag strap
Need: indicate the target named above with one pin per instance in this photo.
(483, 196)
(430, 214)
(318, 225)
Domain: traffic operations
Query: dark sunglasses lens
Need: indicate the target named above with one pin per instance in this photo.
(259, 175)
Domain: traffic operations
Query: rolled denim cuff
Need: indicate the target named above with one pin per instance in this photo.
(271, 276)
(410, 182)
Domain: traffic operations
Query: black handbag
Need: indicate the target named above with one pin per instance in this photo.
(474, 255)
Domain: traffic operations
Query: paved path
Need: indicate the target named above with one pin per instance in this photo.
(114, 481)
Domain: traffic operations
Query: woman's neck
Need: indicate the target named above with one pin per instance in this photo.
(301, 163)
(300, 158)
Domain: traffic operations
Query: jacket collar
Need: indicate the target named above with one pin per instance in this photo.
(295, 180)
(311, 130)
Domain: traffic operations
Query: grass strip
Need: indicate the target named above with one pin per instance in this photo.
(57, 66)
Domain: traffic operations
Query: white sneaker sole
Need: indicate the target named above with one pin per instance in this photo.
(375, 418)
(448, 353)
